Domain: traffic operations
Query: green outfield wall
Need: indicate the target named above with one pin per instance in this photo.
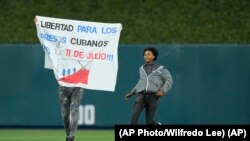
(211, 86)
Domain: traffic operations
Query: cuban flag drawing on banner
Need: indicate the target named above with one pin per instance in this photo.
(81, 53)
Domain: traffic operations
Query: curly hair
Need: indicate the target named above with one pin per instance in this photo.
(153, 50)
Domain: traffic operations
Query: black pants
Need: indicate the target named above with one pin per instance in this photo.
(147, 101)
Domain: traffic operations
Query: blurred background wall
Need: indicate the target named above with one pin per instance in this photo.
(211, 86)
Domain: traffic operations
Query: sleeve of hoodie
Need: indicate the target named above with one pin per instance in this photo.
(167, 80)
(133, 91)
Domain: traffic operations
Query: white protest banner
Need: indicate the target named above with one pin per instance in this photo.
(81, 53)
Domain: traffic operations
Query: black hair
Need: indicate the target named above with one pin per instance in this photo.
(153, 50)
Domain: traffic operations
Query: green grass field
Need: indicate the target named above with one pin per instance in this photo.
(54, 135)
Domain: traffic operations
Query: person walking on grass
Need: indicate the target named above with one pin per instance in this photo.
(155, 81)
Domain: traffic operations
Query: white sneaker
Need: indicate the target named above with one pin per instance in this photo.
(158, 123)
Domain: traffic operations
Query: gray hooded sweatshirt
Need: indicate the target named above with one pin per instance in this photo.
(159, 79)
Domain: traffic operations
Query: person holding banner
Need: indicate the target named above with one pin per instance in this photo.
(70, 99)
(71, 48)
(154, 82)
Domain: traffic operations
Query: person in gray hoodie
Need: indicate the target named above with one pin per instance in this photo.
(155, 81)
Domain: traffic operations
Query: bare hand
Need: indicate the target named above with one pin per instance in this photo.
(35, 20)
(127, 96)
(159, 93)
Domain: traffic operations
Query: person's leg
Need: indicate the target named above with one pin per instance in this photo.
(151, 106)
(137, 109)
(65, 107)
(76, 97)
